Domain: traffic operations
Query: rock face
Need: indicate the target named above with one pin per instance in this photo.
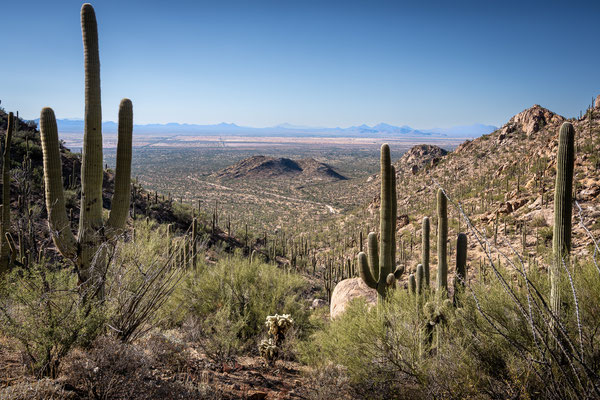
(597, 103)
(347, 290)
(530, 121)
(270, 167)
(418, 157)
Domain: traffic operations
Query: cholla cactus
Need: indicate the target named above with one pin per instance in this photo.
(268, 350)
(277, 325)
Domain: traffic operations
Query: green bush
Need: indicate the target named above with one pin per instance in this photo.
(236, 296)
(40, 308)
(497, 345)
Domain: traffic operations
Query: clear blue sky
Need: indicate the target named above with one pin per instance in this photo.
(321, 63)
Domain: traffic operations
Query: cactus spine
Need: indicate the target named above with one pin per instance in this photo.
(5, 226)
(442, 251)
(375, 268)
(561, 240)
(92, 230)
(425, 248)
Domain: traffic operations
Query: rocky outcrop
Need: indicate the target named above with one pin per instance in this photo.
(418, 157)
(530, 121)
(348, 290)
(597, 103)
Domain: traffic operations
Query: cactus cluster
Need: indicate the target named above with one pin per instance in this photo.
(375, 268)
(83, 250)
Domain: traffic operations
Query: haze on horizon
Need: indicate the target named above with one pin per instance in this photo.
(309, 63)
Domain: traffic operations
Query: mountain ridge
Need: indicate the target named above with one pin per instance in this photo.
(381, 129)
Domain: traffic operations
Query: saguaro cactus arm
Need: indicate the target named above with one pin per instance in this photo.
(121, 198)
(55, 200)
(365, 271)
(386, 210)
(91, 169)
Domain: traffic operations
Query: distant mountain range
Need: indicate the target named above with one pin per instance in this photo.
(379, 130)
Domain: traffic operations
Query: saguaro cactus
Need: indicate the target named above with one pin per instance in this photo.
(561, 240)
(394, 216)
(442, 251)
(425, 231)
(420, 278)
(461, 265)
(375, 268)
(5, 226)
(92, 230)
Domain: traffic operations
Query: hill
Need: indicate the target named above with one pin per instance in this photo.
(263, 167)
(504, 179)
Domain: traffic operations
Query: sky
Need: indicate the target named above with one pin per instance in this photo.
(260, 63)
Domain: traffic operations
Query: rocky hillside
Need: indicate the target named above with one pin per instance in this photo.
(504, 182)
(262, 167)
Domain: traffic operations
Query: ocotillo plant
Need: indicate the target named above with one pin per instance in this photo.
(375, 268)
(442, 273)
(5, 226)
(561, 240)
(425, 248)
(92, 230)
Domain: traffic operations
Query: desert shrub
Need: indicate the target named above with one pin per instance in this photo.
(229, 300)
(71, 198)
(546, 234)
(539, 221)
(498, 344)
(216, 335)
(44, 311)
(140, 280)
(166, 351)
(110, 369)
(378, 348)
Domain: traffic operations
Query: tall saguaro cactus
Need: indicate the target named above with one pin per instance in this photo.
(561, 240)
(442, 250)
(375, 268)
(425, 231)
(5, 226)
(83, 249)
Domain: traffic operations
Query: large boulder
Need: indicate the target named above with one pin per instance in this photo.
(347, 290)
